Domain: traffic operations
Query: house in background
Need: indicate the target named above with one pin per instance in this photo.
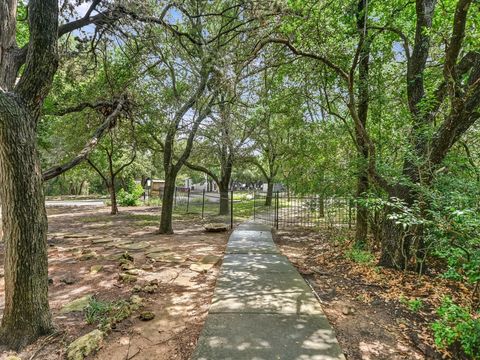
(156, 187)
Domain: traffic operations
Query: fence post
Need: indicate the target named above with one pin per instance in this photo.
(253, 205)
(203, 203)
(231, 209)
(276, 210)
(188, 199)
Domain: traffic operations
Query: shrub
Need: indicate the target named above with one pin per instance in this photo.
(457, 325)
(130, 197)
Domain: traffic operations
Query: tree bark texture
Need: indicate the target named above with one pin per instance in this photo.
(361, 228)
(26, 315)
(167, 205)
(224, 183)
(268, 199)
(224, 203)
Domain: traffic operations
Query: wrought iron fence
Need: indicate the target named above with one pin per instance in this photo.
(290, 210)
(282, 210)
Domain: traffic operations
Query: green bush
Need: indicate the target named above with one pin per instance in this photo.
(130, 197)
(457, 325)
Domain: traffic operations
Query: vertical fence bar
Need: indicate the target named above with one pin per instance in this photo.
(188, 199)
(203, 203)
(231, 209)
(276, 210)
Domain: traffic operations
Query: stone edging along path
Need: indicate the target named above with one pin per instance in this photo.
(262, 308)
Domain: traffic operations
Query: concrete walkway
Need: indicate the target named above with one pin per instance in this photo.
(262, 308)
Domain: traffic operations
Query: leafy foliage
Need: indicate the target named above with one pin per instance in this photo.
(457, 325)
(131, 195)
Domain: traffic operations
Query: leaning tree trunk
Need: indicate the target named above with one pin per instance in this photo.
(167, 205)
(268, 199)
(361, 227)
(26, 315)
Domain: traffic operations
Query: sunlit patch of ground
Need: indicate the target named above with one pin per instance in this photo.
(82, 240)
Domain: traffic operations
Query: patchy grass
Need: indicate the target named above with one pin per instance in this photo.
(360, 256)
(92, 219)
(106, 314)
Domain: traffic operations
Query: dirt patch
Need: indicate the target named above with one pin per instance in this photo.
(86, 245)
(368, 305)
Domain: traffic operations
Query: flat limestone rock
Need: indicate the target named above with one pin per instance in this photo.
(85, 345)
(210, 259)
(216, 227)
(157, 249)
(101, 241)
(76, 305)
(114, 256)
(206, 263)
(201, 267)
(167, 257)
(133, 246)
(88, 255)
(75, 236)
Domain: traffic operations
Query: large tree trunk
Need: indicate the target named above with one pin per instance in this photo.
(26, 315)
(361, 228)
(226, 176)
(395, 239)
(113, 198)
(167, 205)
(224, 208)
(395, 245)
(268, 199)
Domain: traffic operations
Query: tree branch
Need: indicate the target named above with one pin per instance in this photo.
(91, 144)
(97, 171)
(336, 68)
(202, 169)
(42, 58)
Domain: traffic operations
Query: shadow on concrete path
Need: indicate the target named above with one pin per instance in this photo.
(262, 308)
